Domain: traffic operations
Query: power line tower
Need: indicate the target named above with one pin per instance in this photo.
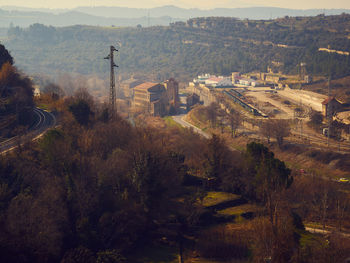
(112, 92)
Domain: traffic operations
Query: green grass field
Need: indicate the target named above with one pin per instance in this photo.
(238, 210)
(171, 123)
(214, 198)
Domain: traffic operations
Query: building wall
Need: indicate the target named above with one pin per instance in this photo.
(271, 78)
(157, 108)
(172, 88)
(331, 107)
(141, 99)
(150, 98)
(204, 93)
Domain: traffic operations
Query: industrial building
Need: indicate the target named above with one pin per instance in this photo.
(149, 97)
(157, 99)
(172, 91)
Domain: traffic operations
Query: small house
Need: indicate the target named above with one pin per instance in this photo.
(331, 106)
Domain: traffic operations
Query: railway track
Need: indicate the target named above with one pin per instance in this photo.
(45, 120)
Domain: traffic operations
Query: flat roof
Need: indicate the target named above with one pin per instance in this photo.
(145, 86)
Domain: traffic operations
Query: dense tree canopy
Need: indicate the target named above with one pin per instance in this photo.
(16, 96)
(97, 192)
(5, 56)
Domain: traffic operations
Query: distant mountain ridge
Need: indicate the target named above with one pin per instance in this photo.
(123, 16)
(74, 17)
(173, 11)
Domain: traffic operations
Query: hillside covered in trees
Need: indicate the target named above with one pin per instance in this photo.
(16, 96)
(97, 189)
(182, 50)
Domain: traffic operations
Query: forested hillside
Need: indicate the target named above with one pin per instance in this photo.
(97, 190)
(16, 97)
(217, 45)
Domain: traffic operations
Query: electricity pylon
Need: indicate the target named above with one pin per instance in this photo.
(112, 97)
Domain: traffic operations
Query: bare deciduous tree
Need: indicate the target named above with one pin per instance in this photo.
(316, 119)
(277, 128)
(235, 120)
(266, 130)
(280, 130)
(212, 113)
(222, 118)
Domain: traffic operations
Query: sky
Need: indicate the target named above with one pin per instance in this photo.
(202, 4)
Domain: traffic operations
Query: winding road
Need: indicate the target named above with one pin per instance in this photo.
(44, 121)
(180, 119)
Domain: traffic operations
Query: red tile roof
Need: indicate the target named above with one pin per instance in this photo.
(326, 101)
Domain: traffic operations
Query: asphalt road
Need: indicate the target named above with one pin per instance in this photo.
(179, 119)
(325, 232)
(44, 121)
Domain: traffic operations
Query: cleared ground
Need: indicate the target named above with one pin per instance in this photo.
(270, 106)
(306, 98)
(285, 101)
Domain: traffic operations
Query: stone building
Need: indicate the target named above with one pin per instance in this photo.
(331, 106)
(150, 97)
(270, 77)
(205, 93)
(172, 90)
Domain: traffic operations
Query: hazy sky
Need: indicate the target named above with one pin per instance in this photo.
(202, 4)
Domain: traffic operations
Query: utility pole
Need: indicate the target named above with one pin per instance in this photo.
(112, 93)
